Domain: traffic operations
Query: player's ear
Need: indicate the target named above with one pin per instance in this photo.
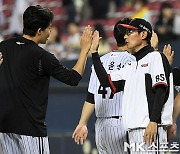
(144, 34)
(39, 31)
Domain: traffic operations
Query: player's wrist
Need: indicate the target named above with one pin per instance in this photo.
(95, 55)
(82, 123)
(153, 122)
(156, 48)
(93, 51)
(84, 52)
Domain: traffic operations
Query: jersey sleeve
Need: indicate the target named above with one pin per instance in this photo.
(160, 70)
(51, 66)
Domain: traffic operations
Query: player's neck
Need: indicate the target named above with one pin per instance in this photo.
(32, 38)
(122, 48)
(139, 47)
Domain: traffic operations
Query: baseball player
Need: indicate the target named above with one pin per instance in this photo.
(172, 130)
(147, 106)
(24, 82)
(110, 134)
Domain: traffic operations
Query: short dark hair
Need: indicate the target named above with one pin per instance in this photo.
(102, 33)
(36, 17)
(119, 34)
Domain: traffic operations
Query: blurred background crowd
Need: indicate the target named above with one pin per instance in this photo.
(71, 16)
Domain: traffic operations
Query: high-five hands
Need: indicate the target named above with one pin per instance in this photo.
(95, 42)
(86, 38)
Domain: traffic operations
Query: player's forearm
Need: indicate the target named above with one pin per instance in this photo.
(81, 63)
(158, 104)
(87, 111)
(176, 108)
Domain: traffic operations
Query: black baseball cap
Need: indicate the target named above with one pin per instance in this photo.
(119, 33)
(138, 24)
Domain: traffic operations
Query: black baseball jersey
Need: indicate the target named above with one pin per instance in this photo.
(24, 83)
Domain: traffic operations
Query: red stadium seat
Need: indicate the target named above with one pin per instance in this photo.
(125, 9)
(176, 4)
(154, 5)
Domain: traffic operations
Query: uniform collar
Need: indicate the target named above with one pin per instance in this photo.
(25, 39)
(143, 52)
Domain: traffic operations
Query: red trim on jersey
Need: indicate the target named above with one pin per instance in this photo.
(112, 84)
(159, 83)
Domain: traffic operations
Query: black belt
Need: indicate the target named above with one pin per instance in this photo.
(116, 117)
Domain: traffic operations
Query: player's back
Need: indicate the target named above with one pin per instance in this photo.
(19, 55)
(23, 88)
(107, 104)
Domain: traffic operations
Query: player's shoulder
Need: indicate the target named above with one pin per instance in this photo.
(115, 53)
(7, 41)
(157, 54)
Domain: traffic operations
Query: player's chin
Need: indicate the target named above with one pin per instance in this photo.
(130, 46)
(44, 41)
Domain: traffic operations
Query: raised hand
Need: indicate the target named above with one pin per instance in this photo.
(95, 42)
(86, 39)
(168, 53)
(154, 41)
(80, 134)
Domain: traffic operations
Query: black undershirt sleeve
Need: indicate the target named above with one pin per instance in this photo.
(159, 101)
(90, 98)
(102, 75)
(161, 93)
(176, 76)
(100, 71)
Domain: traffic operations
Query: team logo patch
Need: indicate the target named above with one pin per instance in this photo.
(144, 65)
(19, 43)
(114, 55)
